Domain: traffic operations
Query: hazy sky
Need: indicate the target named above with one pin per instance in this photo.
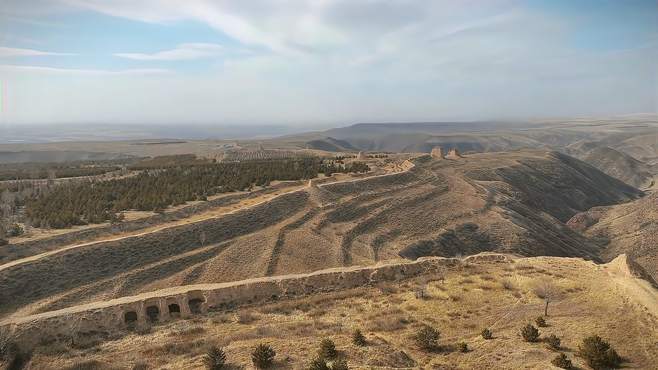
(324, 61)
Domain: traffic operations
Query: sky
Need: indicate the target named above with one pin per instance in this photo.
(323, 62)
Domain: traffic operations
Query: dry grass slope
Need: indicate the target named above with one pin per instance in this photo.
(507, 202)
(459, 302)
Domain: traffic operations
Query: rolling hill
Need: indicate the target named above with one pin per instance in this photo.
(615, 163)
(630, 228)
(512, 202)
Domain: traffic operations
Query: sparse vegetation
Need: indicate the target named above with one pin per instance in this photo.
(530, 333)
(327, 349)
(462, 346)
(358, 338)
(487, 333)
(263, 356)
(562, 361)
(507, 284)
(553, 341)
(540, 321)
(339, 364)
(598, 353)
(427, 338)
(215, 358)
(246, 317)
(546, 290)
(318, 363)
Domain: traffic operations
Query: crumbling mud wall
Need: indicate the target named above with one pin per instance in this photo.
(110, 318)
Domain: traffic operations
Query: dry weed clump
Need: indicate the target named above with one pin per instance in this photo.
(87, 365)
(553, 341)
(176, 348)
(507, 284)
(394, 323)
(427, 338)
(530, 333)
(214, 359)
(387, 288)
(246, 317)
(186, 332)
(327, 350)
(358, 338)
(263, 356)
(487, 277)
(562, 361)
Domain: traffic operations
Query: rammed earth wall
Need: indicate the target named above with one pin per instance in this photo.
(119, 315)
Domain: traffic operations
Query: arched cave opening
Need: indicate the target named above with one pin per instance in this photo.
(153, 313)
(174, 310)
(195, 305)
(130, 318)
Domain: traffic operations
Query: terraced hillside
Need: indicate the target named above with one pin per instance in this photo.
(513, 202)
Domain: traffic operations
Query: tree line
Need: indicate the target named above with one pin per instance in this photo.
(24, 171)
(97, 201)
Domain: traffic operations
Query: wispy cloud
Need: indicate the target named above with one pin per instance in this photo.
(187, 51)
(75, 71)
(18, 52)
(340, 60)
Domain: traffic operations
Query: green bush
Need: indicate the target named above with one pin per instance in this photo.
(598, 353)
(215, 358)
(553, 341)
(327, 349)
(487, 334)
(562, 361)
(318, 364)
(339, 364)
(462, 346)
(540, 322)
(427, 337)
(530, 333)
(358, 338)
(263, 356)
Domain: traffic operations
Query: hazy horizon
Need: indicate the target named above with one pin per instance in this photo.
(316, 64)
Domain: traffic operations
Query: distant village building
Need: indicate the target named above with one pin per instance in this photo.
(361, 156)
